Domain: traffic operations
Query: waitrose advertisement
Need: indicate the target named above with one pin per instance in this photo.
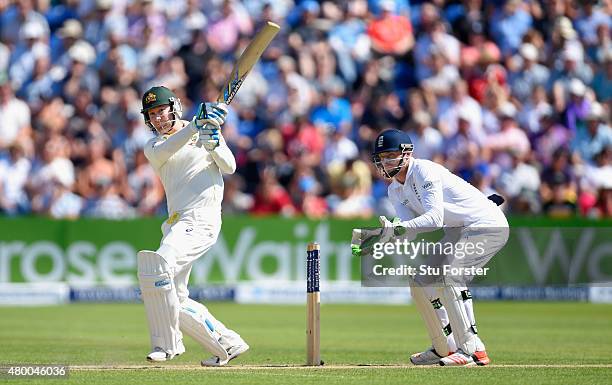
(274, 249)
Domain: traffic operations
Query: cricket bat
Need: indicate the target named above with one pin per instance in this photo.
(247, 60)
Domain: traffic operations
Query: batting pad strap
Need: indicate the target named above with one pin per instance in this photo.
(447, 329)
(197, 322)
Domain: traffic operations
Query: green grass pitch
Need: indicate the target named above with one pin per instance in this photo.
(536, 343)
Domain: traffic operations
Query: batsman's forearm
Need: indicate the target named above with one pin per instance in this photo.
(224, 158)
(160, 152)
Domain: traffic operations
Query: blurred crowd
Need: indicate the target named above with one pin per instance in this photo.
(513, 96)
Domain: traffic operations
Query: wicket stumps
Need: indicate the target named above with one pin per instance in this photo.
(313, 331)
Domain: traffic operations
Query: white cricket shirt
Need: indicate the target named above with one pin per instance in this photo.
(191, 176)
(433, 197)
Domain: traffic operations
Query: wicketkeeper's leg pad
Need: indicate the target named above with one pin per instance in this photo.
(197, 322)
(435, 318)
(465, 335)
(161, 302)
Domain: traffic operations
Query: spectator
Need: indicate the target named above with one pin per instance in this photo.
(339, 148)
(435, 35)
(509, 139)
(595, 137)
(144, 189)
(520, 185)
(226, 26)
(351, 203)
(529, 75)
(69, 34)
(390, 33)
(15, 116)
(235, 201)
(271, 197)
(55, 164)
(104, 202)
(98, 166)
(602, 82)
(18, 14)
(578, 106)
(561, 79)
(428, 142)
(460, 104)
(332, 79)
(443, 74)
(350, 41)
(558, 190)
(589, 20)
(32, 46)
(509, 25)
(64, 203)
(565, 39)
(335, 110)
(14, 172)
(551, 137)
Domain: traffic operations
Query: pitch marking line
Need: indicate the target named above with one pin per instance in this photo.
(275, 367)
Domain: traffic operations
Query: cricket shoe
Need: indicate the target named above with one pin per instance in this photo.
(232, 353)
(159, 355)
(428, 357)
(460, 358)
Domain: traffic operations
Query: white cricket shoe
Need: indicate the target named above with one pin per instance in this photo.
(428, 357)
(159, 355)
(460, 358)
(232, 353)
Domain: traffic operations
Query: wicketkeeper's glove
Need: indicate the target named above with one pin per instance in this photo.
(391, 229)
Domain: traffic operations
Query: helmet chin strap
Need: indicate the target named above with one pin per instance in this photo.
(395, 170)
(173, 121)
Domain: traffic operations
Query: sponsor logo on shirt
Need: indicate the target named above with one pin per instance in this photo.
(427, 186)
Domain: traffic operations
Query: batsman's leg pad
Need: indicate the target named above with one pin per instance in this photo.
(197, 322)
(437, 327)
(452, 300)
(161, 301)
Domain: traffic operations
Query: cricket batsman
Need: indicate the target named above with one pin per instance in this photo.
(189, 157)
(426, 196)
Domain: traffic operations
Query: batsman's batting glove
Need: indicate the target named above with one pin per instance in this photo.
(208, 120)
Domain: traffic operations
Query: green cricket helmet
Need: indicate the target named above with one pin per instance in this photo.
(159, 96)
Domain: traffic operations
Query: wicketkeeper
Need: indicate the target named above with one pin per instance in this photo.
(189, 158)
(427, 196)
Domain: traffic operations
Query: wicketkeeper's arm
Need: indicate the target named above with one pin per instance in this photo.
(430, 190)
